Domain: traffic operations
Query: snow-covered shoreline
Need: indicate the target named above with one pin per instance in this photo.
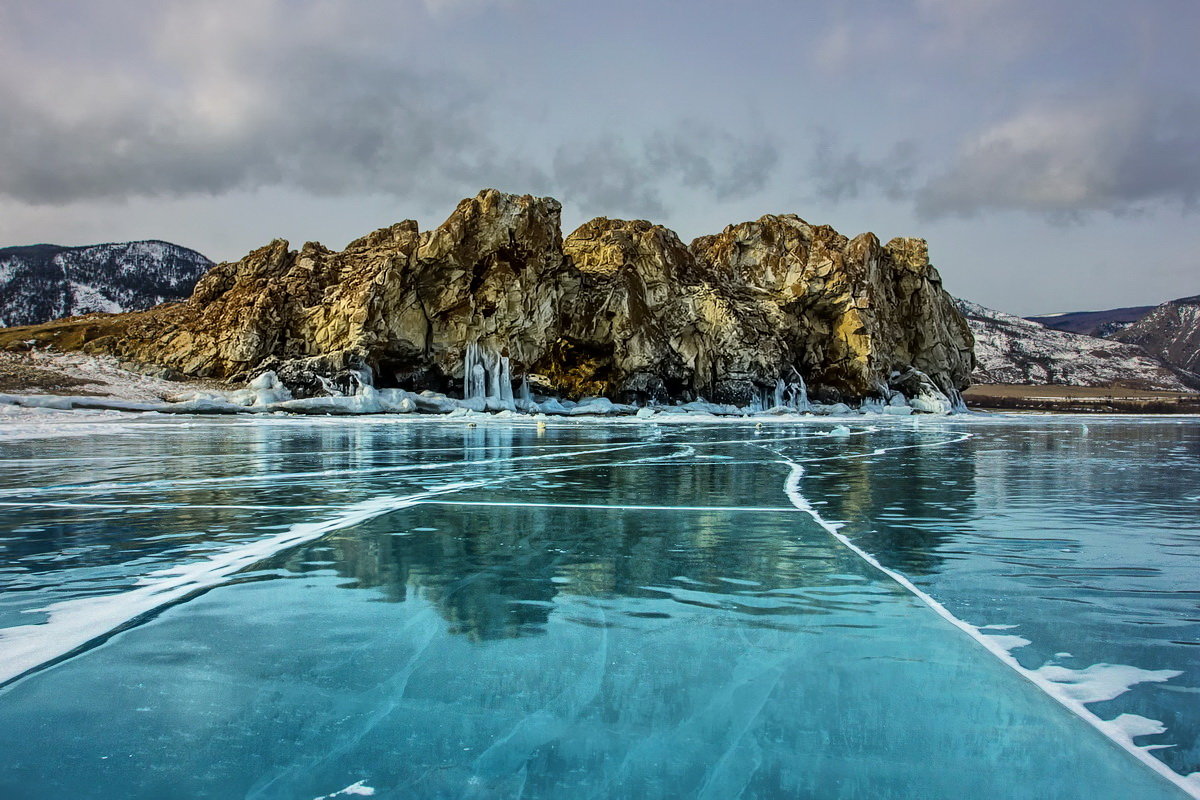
(266, 396)
(44, 379)
(106, 385)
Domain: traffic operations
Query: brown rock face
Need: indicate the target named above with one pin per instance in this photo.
(619, 308)
(848, 314)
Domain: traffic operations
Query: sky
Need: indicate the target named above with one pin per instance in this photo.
(1048, 151)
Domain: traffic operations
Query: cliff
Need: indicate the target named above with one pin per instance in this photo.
(618, 308)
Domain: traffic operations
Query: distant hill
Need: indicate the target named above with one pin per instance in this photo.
(43, 282)
(1170, 331)
(1010, 349)
(1094, 323)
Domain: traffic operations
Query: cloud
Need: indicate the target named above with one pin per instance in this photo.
(219, 107)
(311, 95)
(442, 8)
(612, 175)
(729, 166)
(839, 173)
(867, 35)
(604, 176)
(1118, 154)
(997, 29)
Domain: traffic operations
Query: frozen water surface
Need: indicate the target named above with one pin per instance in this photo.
(410, 608)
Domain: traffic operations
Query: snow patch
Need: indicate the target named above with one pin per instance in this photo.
(86, 298)
(359, 788)
(1010, 349)
(1101, 681)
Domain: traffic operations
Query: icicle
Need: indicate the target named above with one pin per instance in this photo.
(525, 394)
(487, 376)
(478, 382)
(505, 378)
(329, 386)
(364, 377)
(493, 376)
(469, 361)
(780, 388)
(801, 393)
(958, 404)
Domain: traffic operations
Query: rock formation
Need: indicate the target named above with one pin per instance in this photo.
(621, 309)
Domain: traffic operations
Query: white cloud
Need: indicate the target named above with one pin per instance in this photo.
(1116, 154)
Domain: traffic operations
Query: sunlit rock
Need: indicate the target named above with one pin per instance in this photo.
(494, 304)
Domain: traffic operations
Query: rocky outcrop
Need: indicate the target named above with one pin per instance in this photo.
(850, 315)
(619, 308)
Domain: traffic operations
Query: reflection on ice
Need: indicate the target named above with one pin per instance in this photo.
(72, 624)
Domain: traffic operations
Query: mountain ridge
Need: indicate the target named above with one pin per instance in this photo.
(1093, 323)
(1171, 332)
(1015, 350)
(42, 282)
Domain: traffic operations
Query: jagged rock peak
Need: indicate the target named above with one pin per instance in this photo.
(620, 308)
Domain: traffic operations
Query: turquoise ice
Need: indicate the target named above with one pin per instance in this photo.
(414, 608)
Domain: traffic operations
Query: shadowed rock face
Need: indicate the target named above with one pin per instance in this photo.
(619, 308)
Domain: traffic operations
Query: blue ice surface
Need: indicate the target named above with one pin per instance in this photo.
(601, 610)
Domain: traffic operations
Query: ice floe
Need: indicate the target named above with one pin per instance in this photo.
(1134, 725)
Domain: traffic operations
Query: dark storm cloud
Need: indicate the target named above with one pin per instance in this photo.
(1119, 154)
(728, 166)
(218, 122)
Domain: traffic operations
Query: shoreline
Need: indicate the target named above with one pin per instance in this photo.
(1082, 400)
(35, 384)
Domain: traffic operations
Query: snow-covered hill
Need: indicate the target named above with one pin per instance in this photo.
(42, 282)
(1171, 332)
(1009, 349)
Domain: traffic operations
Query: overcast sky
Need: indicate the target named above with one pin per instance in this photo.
(1049, 151)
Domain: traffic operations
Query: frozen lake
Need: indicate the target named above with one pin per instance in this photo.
(416, 608)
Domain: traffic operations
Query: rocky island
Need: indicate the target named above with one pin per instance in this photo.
(496, 306)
